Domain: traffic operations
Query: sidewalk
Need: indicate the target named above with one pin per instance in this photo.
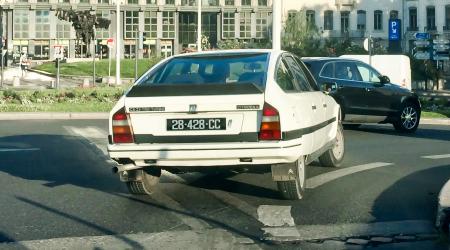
(32, 80)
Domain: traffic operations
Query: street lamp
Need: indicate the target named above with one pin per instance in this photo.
(118, 56)
(199, 25)
(276, 24)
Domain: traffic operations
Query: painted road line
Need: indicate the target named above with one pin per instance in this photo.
(18, 149)
(170, 203)
(88, 132)
(437, 157)
(234, 202)
(275, 216)
(317, 232)
(321, 179)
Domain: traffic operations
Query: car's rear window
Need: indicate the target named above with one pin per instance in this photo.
(232, 69)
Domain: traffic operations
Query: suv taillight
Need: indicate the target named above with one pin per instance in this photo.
(122, 132)
(270, 125)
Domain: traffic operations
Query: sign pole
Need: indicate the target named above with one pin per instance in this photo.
(109, 62)
(276, 24)
(1, 58)
(57, 73)
(94, 55)
(370, 50)
(118, 56)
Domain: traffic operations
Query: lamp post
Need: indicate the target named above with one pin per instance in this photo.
(118, 56)
(199, 25)
(276, 24)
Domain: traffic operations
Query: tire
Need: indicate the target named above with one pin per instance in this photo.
(146, 181)
(334, 156)
(408, 119)
(294, 189)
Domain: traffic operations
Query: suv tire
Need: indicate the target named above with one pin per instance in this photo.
(333, 157)
(145, 182)
(408, 119)
(294, 189)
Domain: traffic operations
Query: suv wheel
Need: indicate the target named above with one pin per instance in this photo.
(333, 157)
(294, 189)
(408, 119)
(145, 181)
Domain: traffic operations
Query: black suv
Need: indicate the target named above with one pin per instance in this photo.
(365, 95)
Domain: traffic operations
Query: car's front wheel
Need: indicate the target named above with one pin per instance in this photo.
(408, 119)
(333, 157)
(294, 189)
(145, 181)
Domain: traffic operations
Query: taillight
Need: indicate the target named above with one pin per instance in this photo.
(122, 132)
(270, 125)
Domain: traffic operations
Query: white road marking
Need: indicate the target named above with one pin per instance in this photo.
(316, 232)
(275, 216)
(436, 157)
(235, 202)
(321, 179)
(95, 135)
(18, 149)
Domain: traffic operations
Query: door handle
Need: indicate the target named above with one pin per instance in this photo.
(325, 105)
(314, 107)
(368, 89)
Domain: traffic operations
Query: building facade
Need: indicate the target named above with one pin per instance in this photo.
(166, 27)
(148, 27)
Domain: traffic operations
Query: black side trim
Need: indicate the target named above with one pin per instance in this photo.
(294, 134)
(244, 137)
(110, 139)
(194, 89)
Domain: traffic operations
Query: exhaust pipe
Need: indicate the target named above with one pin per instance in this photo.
(126, 167)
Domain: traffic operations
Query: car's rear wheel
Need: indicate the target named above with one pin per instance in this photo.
(333, 157)
(294, 189)
(145, 181)
(408, 119)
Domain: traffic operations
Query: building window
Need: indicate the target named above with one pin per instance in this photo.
(168, 26)
(361, 20)
(229, 2)
(228, 25)
(378, 20)
(103, 33)
(311, 17)
(131, 24)
(246, 25)
(170, 2)
(262, 25)
(100, 1)
(21, 22)
(393, 14)
(152, 2)
(431, 18)
(41, 50)
(42, 1)
(63, 29)
(262, 2)
(84, 1)
(345, 21)
(189, 2)
(246, 2)
(447, 17)
(132, 1)
(42, 24)
(210, 2)
(328, 20)
(413, 19)
(150, 24)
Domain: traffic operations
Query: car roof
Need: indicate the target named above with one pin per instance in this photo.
(329, 59)
(230, 52)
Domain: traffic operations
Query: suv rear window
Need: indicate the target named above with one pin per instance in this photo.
(217, 69)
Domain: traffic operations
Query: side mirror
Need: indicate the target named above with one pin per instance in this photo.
(328, 87)
(384, 79)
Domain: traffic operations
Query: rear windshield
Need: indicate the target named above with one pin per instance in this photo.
(223, 69)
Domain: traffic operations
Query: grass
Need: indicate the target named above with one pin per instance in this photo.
(101, 67)
(436, 114)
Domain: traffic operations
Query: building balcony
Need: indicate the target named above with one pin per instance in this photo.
(431, 29)
(357, 33)
(412, 29)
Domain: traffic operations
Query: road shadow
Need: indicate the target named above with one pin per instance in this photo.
(413, 197)
(421, 133)
(58, 160)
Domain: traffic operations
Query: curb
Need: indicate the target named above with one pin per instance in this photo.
(435, 121)
(53, 116)
(443, 210)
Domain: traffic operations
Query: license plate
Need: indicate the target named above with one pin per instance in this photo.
(196, 124)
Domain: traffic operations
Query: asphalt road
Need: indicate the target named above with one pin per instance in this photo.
(56, 181)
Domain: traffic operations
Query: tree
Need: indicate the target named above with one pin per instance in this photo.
(83, 22)
(301, 36)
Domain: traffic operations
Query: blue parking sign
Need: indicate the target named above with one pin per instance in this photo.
(395, 33)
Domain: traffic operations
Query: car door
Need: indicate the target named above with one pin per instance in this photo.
(379, 97)
(307, 92)
(350, 91)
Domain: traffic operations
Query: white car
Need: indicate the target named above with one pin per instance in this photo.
(233, 109)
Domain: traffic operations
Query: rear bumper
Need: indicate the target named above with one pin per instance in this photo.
(209, 154)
